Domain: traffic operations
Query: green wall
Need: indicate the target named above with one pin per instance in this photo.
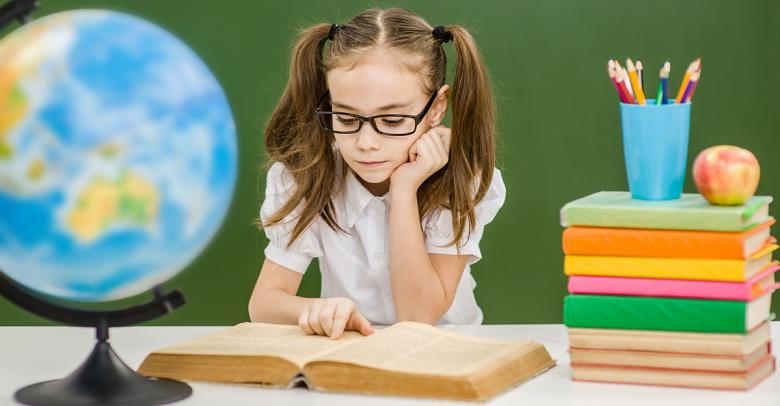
(558, 124)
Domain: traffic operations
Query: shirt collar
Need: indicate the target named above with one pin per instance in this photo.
(357, 197)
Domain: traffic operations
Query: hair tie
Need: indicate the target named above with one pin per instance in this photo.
(441, 35)
(334, 29)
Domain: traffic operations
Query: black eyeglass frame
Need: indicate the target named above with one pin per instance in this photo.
(417, 118)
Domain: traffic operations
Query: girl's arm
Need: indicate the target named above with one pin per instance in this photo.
(274, 297)
(274, 300)
(423, 284)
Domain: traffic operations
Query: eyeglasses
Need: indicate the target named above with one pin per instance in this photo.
(386, 124)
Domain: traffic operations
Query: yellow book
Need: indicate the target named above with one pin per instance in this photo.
(670, 268)
(405, 359)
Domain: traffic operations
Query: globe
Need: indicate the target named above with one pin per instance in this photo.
(117, 155)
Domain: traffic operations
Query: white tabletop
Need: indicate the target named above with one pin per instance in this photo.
(33, 354)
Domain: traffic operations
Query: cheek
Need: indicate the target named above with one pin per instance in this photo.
(344, 144)
(401, 148)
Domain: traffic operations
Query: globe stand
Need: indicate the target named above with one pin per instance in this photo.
(103, 379)
(16, 10)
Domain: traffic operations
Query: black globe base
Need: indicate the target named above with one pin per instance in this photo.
(103, 379)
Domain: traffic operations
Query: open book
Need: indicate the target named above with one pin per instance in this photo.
(405, 359)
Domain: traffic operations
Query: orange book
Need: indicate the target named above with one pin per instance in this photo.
(634, 242)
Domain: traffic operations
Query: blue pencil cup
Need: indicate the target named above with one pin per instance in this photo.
(655, 146)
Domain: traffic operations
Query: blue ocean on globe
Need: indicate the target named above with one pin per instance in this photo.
(117, 155)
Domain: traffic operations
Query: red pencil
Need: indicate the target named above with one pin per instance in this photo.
(621, 79)
(612, 73)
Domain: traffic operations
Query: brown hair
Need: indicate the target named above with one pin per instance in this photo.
(294, 138)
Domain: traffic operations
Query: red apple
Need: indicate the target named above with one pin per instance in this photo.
(726, 175)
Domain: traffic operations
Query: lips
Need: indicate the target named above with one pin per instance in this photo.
(371, 164)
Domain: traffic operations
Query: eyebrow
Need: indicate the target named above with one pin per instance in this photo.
(383, 108)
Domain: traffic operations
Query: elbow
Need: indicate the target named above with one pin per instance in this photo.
(418, 318)
(423, 313)
(255, 309)
(252, 312)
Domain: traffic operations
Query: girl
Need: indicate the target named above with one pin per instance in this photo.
(366, 179)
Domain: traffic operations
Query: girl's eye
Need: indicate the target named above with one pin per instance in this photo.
(392, 122)
(346, 120)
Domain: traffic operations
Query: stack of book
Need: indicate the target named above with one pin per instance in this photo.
(671, 292)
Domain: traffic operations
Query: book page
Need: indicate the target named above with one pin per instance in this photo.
(260, 339)
(422, 349)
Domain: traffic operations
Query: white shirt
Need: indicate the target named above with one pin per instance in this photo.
(355, 264)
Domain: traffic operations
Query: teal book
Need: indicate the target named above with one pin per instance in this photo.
(670, 314)
(690, 212)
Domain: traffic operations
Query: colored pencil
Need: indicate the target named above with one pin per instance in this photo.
(663, 91)
(689, 89)
(622, 80)
(612, 73)
(693, 89)
(629, 82)
(693, 67)
(625, 75)
(640, 95)
(640, 73)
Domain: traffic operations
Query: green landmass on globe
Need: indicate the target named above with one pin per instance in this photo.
(129, 200)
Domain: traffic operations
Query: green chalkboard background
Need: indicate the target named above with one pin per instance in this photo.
(558, 124)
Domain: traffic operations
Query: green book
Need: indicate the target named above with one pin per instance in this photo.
(670, 314)
(689, 212)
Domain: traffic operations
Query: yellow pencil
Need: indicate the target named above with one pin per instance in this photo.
(638, 91)
(693, 67)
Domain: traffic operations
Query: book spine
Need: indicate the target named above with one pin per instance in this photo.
(652, 243)
(661, 268)
(652, 218)
(651, 313)
(600, 285)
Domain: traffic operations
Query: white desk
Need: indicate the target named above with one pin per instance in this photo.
(33, 354)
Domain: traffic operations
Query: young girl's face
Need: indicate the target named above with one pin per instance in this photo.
(375, 85)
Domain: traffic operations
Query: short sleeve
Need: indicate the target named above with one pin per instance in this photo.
(438, 227)
(278, 189)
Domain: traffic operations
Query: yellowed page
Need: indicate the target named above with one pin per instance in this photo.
(423, 349)
(257, 339)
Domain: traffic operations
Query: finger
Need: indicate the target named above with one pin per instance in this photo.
(422, 149)
(430, 148)
(441, 149)
(413, 152)
(446, 136)
(326, 317)
(340, 319)
(359, 323)
(303, 320)
(314, 318)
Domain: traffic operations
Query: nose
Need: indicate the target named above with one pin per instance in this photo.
(367, 137)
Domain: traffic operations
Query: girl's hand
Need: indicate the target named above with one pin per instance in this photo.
(331, 317)
(426, 156)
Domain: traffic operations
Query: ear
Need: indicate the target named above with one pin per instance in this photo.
(439, 107)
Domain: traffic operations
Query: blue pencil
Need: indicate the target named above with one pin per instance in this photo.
(665, 70)
(663, 92)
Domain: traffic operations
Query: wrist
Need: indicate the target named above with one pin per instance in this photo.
(401, 190)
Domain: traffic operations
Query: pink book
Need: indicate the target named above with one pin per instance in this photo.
(758, 285)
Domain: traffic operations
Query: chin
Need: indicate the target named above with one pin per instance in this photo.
(373, 177)
(378, 175)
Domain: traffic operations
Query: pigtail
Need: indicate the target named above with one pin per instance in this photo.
(473, 147)
(293, 137)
